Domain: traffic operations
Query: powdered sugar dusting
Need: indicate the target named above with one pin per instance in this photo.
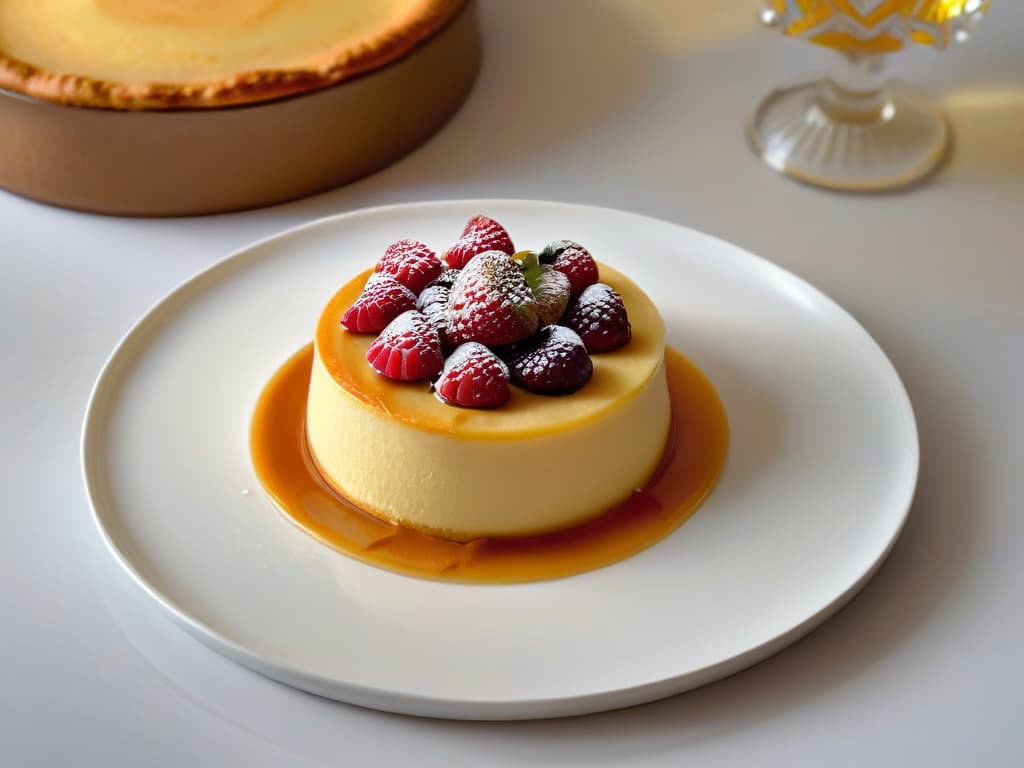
(600, 318)
(552, 295)
(411, 263)
(554, 362)
(491, 302)
(410, 326)
(473, 376)
(480, 235)
(408, 349)
(576, 263)
(383, 298)
(472, 349)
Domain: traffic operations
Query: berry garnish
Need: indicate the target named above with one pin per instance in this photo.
(473, 377)
(480, 235)
(527, 261)
(491, 302)
(382, 300)
(433, 303)
(446, 278)
(574, 261)
(554, 362)
(600, 319)
(550, 287)
(553, 250)
(552, 291)
(409, 349)
(411, 263)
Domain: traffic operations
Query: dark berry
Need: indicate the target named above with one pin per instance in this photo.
(552, 362)
(600, 319)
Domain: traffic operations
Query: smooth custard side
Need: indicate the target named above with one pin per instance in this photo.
(535, 465)
(461, 488)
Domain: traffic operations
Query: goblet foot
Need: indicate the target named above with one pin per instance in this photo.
(798, 135)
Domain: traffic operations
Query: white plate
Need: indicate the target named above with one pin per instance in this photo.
(818, 484)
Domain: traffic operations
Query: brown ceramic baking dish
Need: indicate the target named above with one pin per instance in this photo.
(198, 161)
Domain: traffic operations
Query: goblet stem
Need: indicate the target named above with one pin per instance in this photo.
(851, 130)
(854, 90)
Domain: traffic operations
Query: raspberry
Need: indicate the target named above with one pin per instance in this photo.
(382, 300)
(409, 349)
(572, 260)
(411, 263)
(600, 318)
(554, 362)
(481, 234)
(473, 377)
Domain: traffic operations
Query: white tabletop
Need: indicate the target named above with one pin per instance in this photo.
(634, 106)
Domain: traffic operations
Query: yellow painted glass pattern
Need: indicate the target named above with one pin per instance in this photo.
(876, 26)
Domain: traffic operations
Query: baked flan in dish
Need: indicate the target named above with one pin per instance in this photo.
(153, 54)
(439, 376)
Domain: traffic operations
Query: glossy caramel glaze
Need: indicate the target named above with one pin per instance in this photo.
(693, 461)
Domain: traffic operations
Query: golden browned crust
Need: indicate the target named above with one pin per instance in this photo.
(333, 67)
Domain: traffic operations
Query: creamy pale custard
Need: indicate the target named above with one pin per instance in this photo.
(534, 465)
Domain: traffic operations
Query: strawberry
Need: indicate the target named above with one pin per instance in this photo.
(481, 234)
(409, 349)
(411, 263)
(600, 318)
(491, 302)
(473, 377)
(382, 300)
(554, 362)
(574, 261)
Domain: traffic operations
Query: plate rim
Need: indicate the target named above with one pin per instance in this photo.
(454, 707)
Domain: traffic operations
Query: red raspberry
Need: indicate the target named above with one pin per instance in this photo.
(600, 318)
(572, 260)
(409, 349)
(554, 362)
(411, 263)
(491, 302)
(481, 234)
(473, 377)
(382, 300)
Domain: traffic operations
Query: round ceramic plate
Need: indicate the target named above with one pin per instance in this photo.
(818, 483)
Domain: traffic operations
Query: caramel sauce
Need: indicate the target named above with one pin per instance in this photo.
(693, 461)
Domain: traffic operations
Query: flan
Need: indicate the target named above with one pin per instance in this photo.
(156, 54)
(537, 464)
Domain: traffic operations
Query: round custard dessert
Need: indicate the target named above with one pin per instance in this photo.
(534, 465)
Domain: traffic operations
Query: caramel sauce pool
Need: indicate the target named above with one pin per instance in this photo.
(696, 453)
